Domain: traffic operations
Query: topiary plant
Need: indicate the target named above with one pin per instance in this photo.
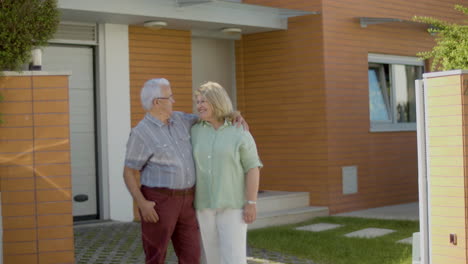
(24, 25)
(451, 50)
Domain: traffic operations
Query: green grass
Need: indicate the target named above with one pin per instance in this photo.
(331, 247)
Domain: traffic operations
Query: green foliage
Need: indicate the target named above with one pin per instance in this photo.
(332, 247)
(451, 50)
(24, 25)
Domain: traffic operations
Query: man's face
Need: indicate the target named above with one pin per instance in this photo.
(166, 100)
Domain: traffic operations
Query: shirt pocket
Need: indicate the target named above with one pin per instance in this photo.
(163, 154)
(185, 142)
(185, 138)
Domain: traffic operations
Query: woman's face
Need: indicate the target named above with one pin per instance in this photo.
(205, 110)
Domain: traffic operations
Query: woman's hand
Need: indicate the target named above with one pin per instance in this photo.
(148, 213)
(250, 213)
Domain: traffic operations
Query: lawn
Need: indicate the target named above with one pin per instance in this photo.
(332, 247)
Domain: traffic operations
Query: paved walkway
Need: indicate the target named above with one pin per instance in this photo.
(120, 243)
(409, 211)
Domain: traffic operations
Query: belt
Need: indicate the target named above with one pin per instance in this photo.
(173, 192)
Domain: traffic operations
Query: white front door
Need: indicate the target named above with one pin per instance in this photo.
(214, 60)
(80, 61)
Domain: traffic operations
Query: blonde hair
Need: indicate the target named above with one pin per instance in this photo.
(218, 98)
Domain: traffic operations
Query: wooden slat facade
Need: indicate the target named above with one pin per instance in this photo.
(35, 170)
(305, 93)
(160, 54)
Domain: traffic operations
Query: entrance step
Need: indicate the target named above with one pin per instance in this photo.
(288, 216)
(271, 201)
(281, 208)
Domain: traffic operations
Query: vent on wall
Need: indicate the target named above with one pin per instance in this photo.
(350, 179)
(76, 33)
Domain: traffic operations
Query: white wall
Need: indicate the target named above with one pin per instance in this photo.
(214, 60)
(114, 116)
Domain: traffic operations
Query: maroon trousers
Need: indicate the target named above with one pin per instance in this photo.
(177, 222)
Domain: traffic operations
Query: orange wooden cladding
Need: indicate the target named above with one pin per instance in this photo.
(280, 89)
(160, 54)
(314, 75)
(35, 170)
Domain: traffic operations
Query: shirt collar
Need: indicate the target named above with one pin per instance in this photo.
(158, 122)
(226, 123)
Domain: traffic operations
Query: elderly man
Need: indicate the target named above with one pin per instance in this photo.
(159, 148)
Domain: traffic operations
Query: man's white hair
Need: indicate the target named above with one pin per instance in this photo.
(151, 89)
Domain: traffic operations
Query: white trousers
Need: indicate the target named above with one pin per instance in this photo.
(224, 236)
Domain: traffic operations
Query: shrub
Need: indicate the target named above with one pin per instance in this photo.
(451, 50)
(25, 25)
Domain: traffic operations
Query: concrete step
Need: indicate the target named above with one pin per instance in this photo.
(270, 201)
(288, 216)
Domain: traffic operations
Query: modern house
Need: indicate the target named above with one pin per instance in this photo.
(327, 87)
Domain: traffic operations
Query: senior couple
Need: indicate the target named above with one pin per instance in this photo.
(203, 167)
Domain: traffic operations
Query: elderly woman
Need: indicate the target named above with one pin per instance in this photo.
(227, 166)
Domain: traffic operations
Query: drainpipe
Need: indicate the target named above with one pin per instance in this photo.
(423, 170)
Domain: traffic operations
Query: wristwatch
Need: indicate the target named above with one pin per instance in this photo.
(251, 202)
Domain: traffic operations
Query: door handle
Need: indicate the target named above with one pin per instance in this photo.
(80, 198)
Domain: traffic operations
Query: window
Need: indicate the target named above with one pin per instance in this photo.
(392, 101)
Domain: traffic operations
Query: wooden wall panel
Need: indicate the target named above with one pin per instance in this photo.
(36, 201)
(160, 54)
(323, 60)
(280, 82)
(387, 162)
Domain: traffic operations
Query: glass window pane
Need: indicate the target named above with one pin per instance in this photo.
(405, 101)
(377, 95)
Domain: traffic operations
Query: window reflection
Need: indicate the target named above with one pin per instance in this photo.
(392, 92)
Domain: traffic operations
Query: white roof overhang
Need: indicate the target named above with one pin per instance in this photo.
(194, 15)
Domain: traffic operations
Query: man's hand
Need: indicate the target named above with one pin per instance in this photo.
(148, 213)
(240, 121)
(250, 213)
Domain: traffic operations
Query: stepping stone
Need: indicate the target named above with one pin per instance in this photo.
(370, 232)
(408, 240)
(318, 227)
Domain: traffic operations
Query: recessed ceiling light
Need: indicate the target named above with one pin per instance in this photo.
(155, 24)
(231, 31)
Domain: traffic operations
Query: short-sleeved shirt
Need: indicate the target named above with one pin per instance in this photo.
(163, 153)
(222, 159)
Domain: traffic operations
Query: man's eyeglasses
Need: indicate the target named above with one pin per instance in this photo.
(170, 97)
